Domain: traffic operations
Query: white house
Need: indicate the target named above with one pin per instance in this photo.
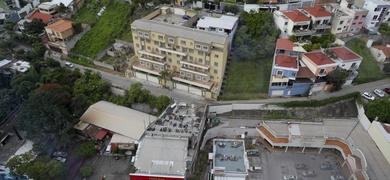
(47, 8)
(377, 11)
(341, 20)
(294, 22)
(320, 18)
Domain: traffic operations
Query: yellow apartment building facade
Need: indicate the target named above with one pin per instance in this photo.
(194, 59)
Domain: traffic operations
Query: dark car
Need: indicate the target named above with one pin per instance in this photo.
(253, 153)
(186, 17)
(387, 90)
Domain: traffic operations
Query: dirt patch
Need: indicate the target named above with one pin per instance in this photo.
(346, 109)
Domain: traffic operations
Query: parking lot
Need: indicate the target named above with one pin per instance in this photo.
(110, 168)
(277, 164)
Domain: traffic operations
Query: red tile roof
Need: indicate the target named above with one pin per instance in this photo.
(60, 26)
(318, 11)
(285, 44)
(37, 15)
(304, 72)
(385, 49)
(345, 54)
(286, 61)
(319, 58)
(296, 16)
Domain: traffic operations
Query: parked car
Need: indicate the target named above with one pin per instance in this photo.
(68, 64)
(326, 167)
(252, 153)
(300, 166)
(61, 159)
(290, 177)
(60, 154)
(379, 93)
(387, 90)
(255, 169)
(368, 96)
(309, 173)
(337, 177)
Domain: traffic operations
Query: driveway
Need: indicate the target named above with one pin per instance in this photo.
(110, 168)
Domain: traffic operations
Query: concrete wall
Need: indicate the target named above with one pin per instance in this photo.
(109, 66)
(362, 117)
(380, 140)
(220, 109)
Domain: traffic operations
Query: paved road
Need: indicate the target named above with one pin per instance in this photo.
(124, 83)
(156, 89)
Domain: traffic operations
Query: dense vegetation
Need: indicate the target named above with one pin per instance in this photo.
(368, 70)
(253, 47)
(379, 108)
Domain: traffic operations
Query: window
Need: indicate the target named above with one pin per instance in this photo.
(377, 9)
(182, 42)
(136, 38)
(342, 65)
(216, 64)
(168, 66)
(204, 79)
(200, 53)
(156, 43)
(155, 66)
(169, 60)
(215, 71)
(147, 41)
(147, 64)
(379, 54)
(170, 40)
(322, 71)
(364, 16)
(191, 50)
(185, 50)
(148, 48)
(279, 73)
(216, 56)
(146, 35)
(177, 55)
(191, 58)
(197, 46)
(160, 38)
(200, 60)
(182, 73)
(360, 22)
(207, 63)
(169, 53)
(197, 77)
(285, 23)
(293, 74)
(189, 75)
(211, 77)
(178, 62)
(162, 68)
(356, 17)
(141, 62)
(137, 45)
(140, 33)
(375, 17)
(338, 29)
(341, 22)
(205, 48)
(353, 23)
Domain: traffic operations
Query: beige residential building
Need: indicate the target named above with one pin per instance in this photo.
(166, 41)
(58, 33)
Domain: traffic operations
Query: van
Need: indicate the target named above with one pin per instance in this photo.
(108, 149)
(255, 169)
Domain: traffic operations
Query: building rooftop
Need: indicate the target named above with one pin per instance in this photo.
(158, 155)
(60, 25)
(378, 2)
(318, 11)
(37, 15)
(285, 44)
(304, 72)
(225, 22)
(4, 62)
(296, 16)
(385, 49)
(319, 58)
(180, 31)
(65, 2)
(47, 5)
(118, 119)
(21, 66)
(345, 54)
(286, 61)
(230, 155)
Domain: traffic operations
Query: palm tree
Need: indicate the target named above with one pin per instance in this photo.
(164, 76)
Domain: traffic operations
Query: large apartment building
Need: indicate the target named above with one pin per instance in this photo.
(166, 41)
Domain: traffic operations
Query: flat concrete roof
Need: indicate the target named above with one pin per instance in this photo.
(225, 22)
(122, 120)
(180, 31)
(157, 155)
(230, 154)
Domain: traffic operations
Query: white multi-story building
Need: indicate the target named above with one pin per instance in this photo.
(294, 22)
(320, 18)
(377, 12)
(341, 20)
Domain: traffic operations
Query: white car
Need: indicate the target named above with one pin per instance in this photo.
(59, 153)
(61, 159)
(337, 177)
(68, 64)
(290, 177)
(379, 93)
(368, 96)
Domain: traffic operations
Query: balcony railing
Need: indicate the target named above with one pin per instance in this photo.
(172, 50)
(147, 69)
(150, 53)
(322, 73)
(303, 32)
(192, 63)
(153, 60)
(322, 26)
(194, 70)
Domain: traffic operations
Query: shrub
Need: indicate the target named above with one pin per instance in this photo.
(86, 171)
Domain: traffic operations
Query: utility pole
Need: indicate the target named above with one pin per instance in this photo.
(357, 122)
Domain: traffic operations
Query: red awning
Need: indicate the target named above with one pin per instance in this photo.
(101, 134)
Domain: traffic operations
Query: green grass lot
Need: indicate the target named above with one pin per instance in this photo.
(87, 14)
(3, 5)
(368, 70)
(247, 80)
(109, 26)
(138, 14)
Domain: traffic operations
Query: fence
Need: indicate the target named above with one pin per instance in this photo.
(105, 65)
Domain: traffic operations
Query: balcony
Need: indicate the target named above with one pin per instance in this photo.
(322, 26)
(149, 53)
(146, 69)
(302, 32)
(323, 73)
(153, 60)
(199, 83)
(194, 70)
(172, 50)
(353, 68)
(191, 63)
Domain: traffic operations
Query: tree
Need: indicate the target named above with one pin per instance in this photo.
(91, 86)
(384, 29)
(86, 149)
(162, 102)
(35, 27)
(86, 171)
(19, 164)
(62, 8)
(164, 76)
(379, 108)
(337, 77)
